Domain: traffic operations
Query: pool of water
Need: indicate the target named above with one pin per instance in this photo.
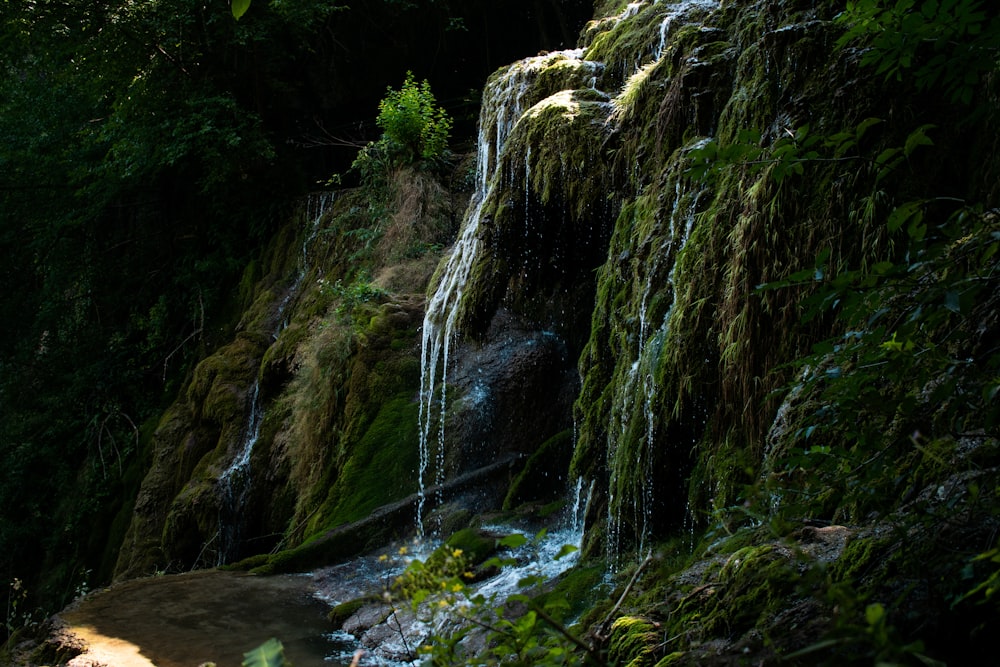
(188, 619)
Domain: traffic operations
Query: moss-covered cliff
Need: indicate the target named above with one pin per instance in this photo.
(717, 265)
(791, 320)
(325, 359)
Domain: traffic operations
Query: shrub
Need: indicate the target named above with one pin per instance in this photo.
(414, 126)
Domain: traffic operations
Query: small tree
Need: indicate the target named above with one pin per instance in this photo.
(414, 126)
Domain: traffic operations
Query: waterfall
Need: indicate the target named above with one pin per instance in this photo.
(632, 427)
(234, 481)
(505, 98)
(638, 396)
(673, 11)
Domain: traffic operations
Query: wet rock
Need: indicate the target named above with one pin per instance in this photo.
(366, 618)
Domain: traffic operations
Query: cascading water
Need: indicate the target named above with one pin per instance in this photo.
(506, 97)
(631, 431)
(234, 481)
(673, 12)
(639, 392)
(504, 101)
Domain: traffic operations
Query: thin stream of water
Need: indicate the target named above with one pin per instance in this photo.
(234, 481)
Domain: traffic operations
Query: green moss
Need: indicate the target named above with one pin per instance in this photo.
(583, 589)
(752, 585)
(251, 274)
(380, 468)
(861, 558)
(554, 158)
(251, 563)
(218, 387)
(345, 610)
(633, 641)
(675, 658)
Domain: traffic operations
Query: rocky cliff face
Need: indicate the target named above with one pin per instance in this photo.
(634, 195)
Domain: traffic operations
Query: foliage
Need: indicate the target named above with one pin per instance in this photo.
(16, 616)
(946, 44)
(138, 175)
(519, 630)
(989, 586)
(909, 367)
(150, 150)
(413, 122)
(912, 369)
(360, 291)
(414, 128)
(798, 148)
(239, 8)
(269, 654)
(893, 418)
(862, 632)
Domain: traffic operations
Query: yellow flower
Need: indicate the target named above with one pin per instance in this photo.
(468, 575)
(402, 551)
(456, 553)
(383, 558)
(442, 603)
(456, 587)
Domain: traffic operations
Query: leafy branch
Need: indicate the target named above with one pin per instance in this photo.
(789, 154)
(947, 43)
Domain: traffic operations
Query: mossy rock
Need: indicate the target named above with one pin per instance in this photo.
(633, 641)
(476, 545)
(583, 589)
(380, 468)
(251, 563)
(671, 659)
(345, 610)
(218, 388)
(756, 580)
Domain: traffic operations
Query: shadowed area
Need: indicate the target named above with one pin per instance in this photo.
(207, 616)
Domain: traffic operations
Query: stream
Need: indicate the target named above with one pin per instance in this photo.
(212, 616)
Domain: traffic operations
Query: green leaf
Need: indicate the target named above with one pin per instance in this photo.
(886, 161)
(240, 8)
(916, 230)
(874, 613)
(812, 648)
(930, 662)
(904, 212)
(269, 654)
(513, 541)
(565, 550)
(917, 138)
(864, 126)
